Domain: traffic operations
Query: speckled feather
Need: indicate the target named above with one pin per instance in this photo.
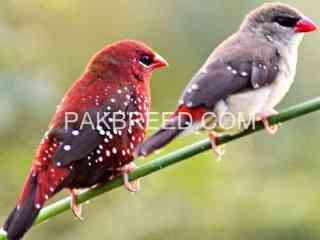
(78, 156)
(100, 87)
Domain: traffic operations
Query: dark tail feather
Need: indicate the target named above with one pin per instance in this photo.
(173, 127)
(24, 214)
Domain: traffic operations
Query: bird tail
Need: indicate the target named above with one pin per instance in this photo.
(37, 189)
(177, 124)
(23, 215)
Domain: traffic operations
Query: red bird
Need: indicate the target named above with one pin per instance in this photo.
(92, 136)
(243, 79)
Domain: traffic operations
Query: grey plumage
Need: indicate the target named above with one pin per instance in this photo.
(248, 74)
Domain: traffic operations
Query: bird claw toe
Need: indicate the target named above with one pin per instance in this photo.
(76, 209)
(263, 117)
(218, 150)
(133, 186)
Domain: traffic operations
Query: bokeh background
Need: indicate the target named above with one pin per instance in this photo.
(265, 187)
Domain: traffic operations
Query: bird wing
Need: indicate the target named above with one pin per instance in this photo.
(79, 140)
(237, 70)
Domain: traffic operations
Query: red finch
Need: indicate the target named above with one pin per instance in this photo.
(92, 136)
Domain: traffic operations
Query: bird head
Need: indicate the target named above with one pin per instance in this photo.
(126, 58)
(278, 23)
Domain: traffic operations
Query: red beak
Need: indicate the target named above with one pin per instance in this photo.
(305, 25)
(159, 62)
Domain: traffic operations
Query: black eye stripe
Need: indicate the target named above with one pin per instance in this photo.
(286, 21)
(146, 60)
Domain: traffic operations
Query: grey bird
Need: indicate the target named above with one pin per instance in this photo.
(244, 78)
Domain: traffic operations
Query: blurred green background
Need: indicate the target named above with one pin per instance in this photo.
(265, 187)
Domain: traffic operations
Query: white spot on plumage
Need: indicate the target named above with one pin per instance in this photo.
(100, 159)
(89, 164)
(38, 206)
(119, 91)
(59, 164)
(67, 147)
(234, 71)
(106, 140)
(244, 74)
(114, 150)
(123, 152)
(229, 68)
(108, 108)
(51, 189)
(108, 154)
(98, 151)
(102, 132)
(46, 196)
(112, 100)
(194, 86)
(101, 146)
(75, 132)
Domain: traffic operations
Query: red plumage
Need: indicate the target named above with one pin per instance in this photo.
(75, 155)
(196, 113)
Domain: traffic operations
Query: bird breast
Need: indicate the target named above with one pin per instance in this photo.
(286, 75)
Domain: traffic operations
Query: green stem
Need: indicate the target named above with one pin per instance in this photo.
(172, 158)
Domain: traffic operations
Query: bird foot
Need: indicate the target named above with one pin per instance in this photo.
(219, 151)
(76, 209)
(263, 117)
(133, 186)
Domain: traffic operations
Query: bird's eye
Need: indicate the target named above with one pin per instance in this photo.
(286, 21)
(146, 60)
